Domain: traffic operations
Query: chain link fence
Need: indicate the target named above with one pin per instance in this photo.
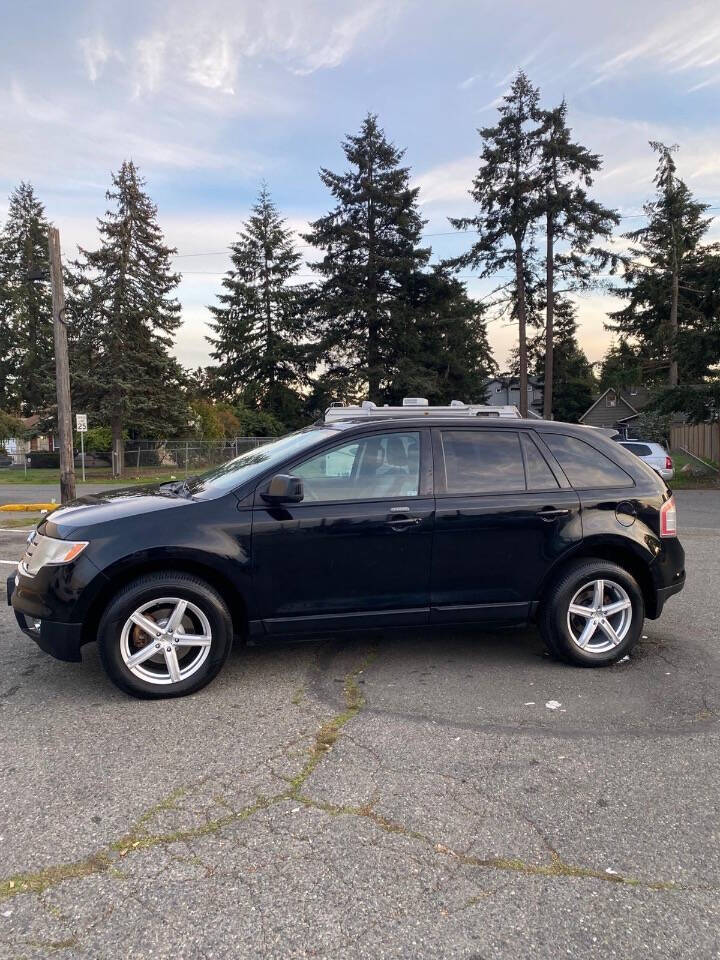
(180, 456)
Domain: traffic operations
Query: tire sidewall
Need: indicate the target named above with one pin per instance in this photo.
(557, 613)
(148, 589)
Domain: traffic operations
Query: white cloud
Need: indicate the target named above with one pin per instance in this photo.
(96, 54)
(686, 40)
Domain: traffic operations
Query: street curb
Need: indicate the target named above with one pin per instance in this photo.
(28, 507)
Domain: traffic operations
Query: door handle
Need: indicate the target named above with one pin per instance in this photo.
(403, 521)
(550, 513)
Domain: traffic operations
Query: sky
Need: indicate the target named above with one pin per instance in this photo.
(211, 98)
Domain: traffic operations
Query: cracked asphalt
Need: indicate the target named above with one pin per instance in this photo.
(386, 795)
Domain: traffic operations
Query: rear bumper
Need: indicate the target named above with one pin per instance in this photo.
(60, 640)
(662, 594)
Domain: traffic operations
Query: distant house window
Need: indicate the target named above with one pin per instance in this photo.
(610, 399)
(633, 391)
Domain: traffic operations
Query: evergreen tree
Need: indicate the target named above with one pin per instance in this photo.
(260, 337)
(572, 372)
(27, 366)
(573, 220)
(507, 190)
(370, 242)
(621, 367)
(124, 319)
(665, 312)
(443, 352)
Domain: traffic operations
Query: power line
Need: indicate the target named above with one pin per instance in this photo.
(442, 233)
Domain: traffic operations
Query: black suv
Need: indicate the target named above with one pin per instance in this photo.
(350, 524)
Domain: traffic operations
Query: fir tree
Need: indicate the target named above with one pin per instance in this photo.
(124, 319)
(664, 314)
(573, 220)
(572, 373)
(507, 190)
(370, 242)
(27, 373)
(443, 352)
(259, 340)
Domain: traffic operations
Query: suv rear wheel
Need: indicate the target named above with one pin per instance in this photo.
(593, 614)
(164, 635)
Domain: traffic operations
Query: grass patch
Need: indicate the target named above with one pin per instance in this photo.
(692, 481)
(131, 476)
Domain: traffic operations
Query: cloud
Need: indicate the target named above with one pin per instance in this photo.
(680, 43)
(96, 54)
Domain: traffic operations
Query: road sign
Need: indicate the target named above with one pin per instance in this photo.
(81, 419)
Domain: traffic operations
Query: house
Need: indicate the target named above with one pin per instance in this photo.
(617, 407)
(17, 447)
(505, 391)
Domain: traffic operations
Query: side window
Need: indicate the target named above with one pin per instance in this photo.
(585, 466)
(639, 449)
(539, 474)
(375, 467)
(482, 461)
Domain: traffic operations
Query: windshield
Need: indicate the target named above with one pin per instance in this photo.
(230, 475)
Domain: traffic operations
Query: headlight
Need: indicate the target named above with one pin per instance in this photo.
(42, 551)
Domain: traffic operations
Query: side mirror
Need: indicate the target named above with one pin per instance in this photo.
(284, 488)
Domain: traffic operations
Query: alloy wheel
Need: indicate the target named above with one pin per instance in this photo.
(165, 640)
(599, 616)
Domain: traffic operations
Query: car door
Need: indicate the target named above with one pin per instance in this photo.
(504, 515)
(356, 551)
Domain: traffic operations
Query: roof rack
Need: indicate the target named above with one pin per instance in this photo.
(415, 407)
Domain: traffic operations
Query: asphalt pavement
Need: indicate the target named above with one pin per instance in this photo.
(399, 795)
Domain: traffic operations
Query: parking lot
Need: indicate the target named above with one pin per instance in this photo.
(398, 795)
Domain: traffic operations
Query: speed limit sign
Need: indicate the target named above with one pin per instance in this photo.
(81, 419)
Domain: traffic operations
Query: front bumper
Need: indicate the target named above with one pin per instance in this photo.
(60, 640)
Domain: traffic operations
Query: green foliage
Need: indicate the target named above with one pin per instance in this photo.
(652, 425)
(258, 423)
(575, 222)
(9, 426)
(259, 329)
(98, 439)
(699, 402)
(507, 190)
(27, 374)
(371, 251)
(124, 319)
(668, 269)
(622, 367)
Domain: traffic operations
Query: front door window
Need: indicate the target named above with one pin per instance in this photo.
(377, 467)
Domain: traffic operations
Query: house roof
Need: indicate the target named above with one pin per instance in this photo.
(602, 395)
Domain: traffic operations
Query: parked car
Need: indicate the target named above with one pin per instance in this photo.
(359, 523)
(653, 454)
(6, 460)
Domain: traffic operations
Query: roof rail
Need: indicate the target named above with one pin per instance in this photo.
(416, 407)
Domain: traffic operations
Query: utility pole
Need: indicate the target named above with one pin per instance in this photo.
(62, 370)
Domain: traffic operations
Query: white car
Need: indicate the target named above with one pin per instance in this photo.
(654, 455)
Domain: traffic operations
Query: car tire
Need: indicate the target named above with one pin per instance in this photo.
(593, 614)
(141, 635)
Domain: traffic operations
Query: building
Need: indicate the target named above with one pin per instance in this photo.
(35, 439)
(505, 391)
(617, 408)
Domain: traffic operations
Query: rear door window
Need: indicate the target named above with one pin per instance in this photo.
(639, 449)
(482, 461)
(539, 474)
(584, 466)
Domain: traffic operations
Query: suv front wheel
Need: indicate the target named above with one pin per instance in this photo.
(164, 635)
(593, 614)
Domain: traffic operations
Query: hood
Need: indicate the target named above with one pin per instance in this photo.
(110, 505)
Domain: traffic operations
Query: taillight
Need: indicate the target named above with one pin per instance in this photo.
(668, 518)
(668, 463)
